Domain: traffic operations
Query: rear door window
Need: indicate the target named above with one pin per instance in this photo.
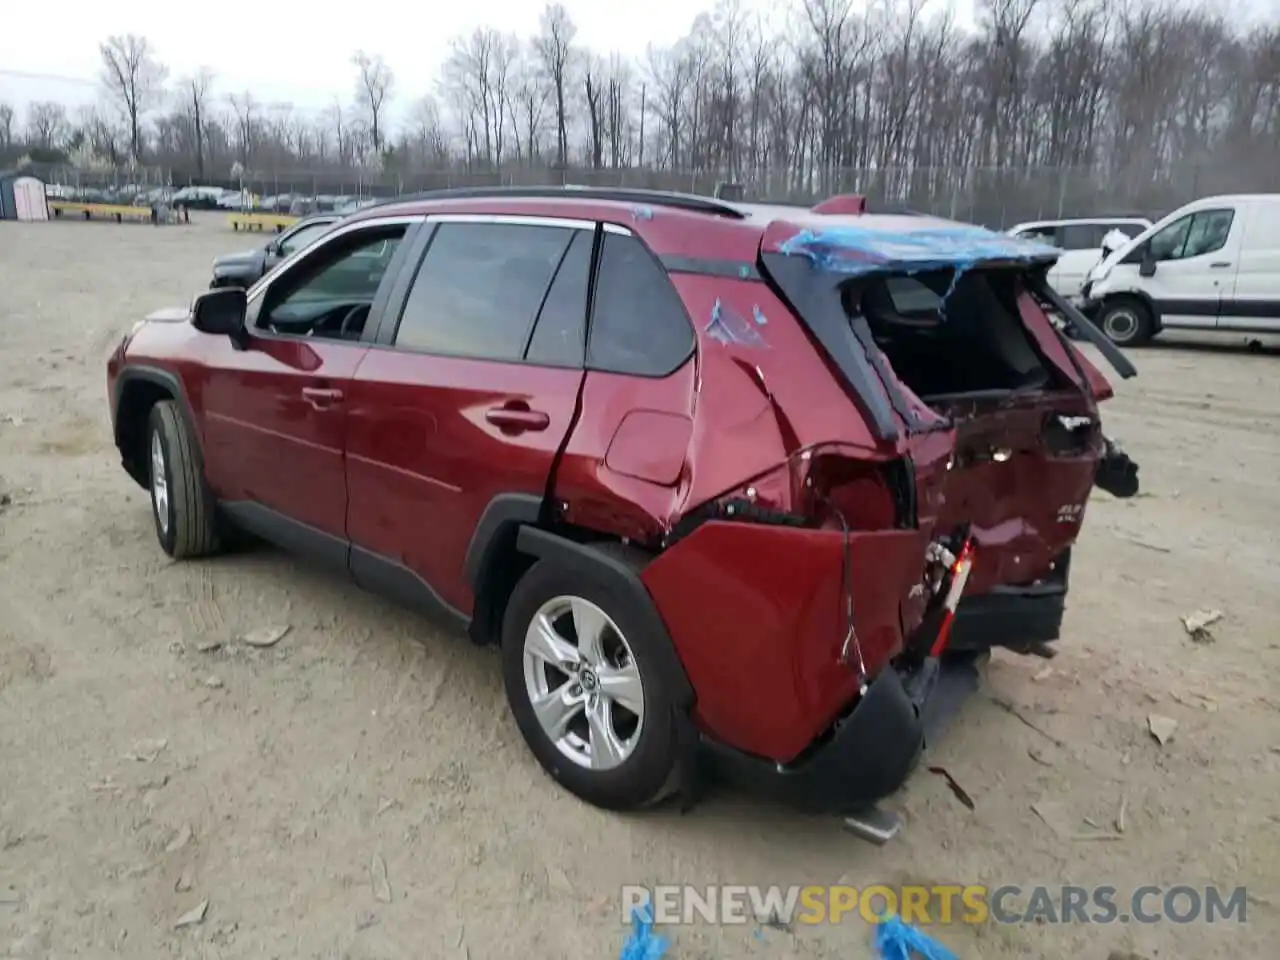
(638, 324)
(479, 289)
(558, 335)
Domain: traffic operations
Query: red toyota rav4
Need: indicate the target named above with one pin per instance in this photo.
(716, 476)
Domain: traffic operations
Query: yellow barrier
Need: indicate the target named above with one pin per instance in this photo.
(261, 221)
(119, 212)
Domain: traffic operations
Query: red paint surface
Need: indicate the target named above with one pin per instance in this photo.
(423, 460)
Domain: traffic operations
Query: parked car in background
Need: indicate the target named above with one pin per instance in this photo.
(1080, 241)
(714, 475)
(1213, 264)
(248, 267)
(198, 198)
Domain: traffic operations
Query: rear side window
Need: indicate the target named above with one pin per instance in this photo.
(479, 289)
(638, 324)
(557, 339)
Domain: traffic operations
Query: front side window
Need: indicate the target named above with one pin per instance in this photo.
(480, 288)
(322, 292)
(1208, 233)
(301, 238)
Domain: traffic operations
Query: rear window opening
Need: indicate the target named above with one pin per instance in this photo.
(945, 342)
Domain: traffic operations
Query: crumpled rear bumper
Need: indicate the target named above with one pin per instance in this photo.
(866, 757)
(757, 615)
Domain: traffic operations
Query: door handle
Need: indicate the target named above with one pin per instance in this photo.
(517, 419)
(321, 397)
(1220, 265)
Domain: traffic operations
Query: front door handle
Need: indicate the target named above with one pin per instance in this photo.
(1220, 265)
(517, 419)
(321, 398)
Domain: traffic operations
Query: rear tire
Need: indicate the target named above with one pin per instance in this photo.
(1126, 321)
(182, 505)
(604, 726)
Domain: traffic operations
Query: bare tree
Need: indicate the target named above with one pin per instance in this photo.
(46, 124)
(6, 126)
(194, 92)
(133, 78)
(245, 110)
(555, 51)
(374, 84)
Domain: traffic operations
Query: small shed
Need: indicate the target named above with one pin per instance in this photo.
(22, 196)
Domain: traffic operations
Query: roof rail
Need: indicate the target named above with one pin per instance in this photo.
(653, 198)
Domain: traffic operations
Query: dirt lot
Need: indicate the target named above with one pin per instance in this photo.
(140, 776)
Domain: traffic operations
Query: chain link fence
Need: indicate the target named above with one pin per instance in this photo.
(995, 197)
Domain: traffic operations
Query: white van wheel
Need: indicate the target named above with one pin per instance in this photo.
(1126, 321)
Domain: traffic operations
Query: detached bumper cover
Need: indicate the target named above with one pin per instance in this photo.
(867, 756)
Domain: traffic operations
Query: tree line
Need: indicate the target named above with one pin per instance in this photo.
(1137, 98)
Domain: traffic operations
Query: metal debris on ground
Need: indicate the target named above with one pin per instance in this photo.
(265, 636)
(1161, 727)
(958, 790)
(1013, 711)
(193, 916)
(895, 940)
(378, 881)
(1124, 805)
(1197, 625)
(208, 646)
(643, 943)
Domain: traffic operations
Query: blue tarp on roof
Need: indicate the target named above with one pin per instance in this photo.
(859, 251)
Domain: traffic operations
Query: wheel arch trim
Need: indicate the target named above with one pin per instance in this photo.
(585, 559)
(157, 376)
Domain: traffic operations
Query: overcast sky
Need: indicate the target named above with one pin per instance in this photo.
(287, 51)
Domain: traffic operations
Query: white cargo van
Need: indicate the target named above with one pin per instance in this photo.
(1080, 241)
(1213, 264)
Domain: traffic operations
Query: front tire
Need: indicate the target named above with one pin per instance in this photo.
(1126, 321)
(181, 503)
(584, 686)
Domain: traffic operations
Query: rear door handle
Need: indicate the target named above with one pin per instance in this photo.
(1220, 265)
(517, 420)
(321, 397)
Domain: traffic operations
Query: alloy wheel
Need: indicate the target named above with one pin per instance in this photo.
(583, 683)
(159, 483)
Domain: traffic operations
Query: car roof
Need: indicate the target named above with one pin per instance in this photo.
(673, 224)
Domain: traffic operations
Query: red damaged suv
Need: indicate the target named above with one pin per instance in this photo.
(736, 487)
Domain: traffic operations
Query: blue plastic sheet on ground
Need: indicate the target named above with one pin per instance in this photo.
(858, 251)
(643, 944)
(897, 941)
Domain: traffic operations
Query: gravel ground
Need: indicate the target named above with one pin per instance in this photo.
(140, 776)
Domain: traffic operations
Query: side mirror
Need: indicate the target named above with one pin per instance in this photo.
(1147, 267)
(221, 312)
